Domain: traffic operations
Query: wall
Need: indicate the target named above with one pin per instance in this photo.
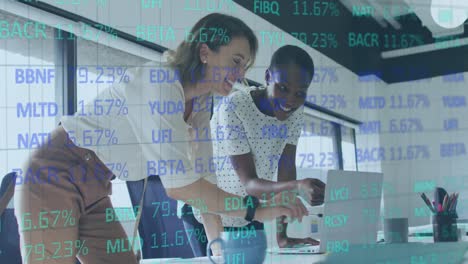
(441, 166)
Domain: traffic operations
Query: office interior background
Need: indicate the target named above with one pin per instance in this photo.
(388, 95)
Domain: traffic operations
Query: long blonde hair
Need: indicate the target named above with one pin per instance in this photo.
(215, 30)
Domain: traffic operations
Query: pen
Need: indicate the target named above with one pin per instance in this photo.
(428, 203)
(453, 199)
(439, 194)
(452, 204)
(444, 203)
(456, 202)
(449, 201)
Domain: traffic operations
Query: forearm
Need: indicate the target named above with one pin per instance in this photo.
(263, 188)
(213, 228)
(213, 225)
(208, 198)
(286, 165)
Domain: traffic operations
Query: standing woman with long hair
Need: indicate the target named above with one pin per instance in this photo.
(69, 172)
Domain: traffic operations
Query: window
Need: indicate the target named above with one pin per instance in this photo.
(348, 148)
(317, 148)
(29, 108)
(99, 67)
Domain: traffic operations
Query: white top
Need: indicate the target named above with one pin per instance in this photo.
(238, 127)
(137, 128)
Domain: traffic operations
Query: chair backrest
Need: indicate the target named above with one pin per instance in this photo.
(9, 235)
(7, 190)
(9, 238)
(162, 232)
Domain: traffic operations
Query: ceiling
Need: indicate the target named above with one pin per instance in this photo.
(356, 34)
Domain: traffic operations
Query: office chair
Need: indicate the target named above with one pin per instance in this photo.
(9, 235)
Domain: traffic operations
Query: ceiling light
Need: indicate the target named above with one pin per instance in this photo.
(454, 43)
(449, 13)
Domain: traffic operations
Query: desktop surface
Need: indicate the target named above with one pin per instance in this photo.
(270, 259)
(403, 253)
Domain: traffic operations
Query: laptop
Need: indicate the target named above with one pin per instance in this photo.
(350, 213)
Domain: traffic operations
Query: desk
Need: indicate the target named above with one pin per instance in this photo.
(407, 253)
(270, 259)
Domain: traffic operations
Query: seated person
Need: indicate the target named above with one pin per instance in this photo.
(257, 129)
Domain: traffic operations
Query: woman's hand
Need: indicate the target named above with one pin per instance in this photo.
(312, 189)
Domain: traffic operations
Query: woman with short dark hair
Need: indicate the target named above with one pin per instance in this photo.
(270, 119)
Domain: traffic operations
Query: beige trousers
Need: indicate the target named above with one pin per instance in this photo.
(61, 201)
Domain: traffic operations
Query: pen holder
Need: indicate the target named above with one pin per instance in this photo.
(445, 227)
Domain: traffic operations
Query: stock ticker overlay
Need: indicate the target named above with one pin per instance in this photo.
(406, 121)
